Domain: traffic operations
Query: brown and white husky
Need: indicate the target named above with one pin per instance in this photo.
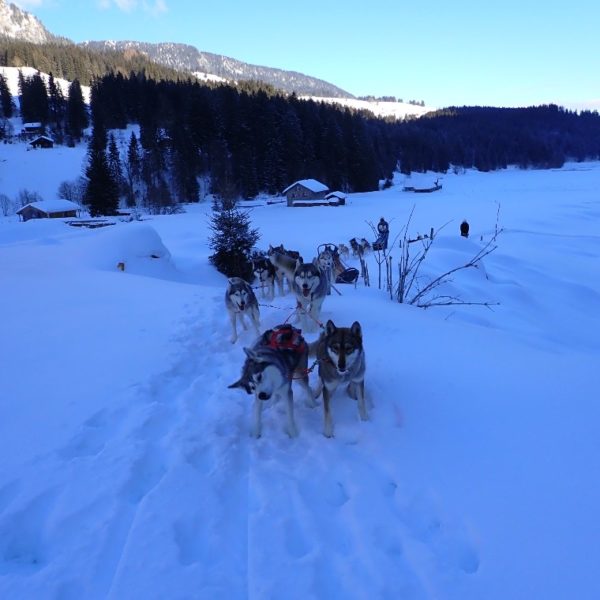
(341, 359)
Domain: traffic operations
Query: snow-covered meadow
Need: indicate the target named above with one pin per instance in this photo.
(126, 466)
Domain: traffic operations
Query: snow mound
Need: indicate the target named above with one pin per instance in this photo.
(135, 246)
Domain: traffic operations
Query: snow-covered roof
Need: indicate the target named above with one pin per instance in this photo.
(336, 195)
(32, 125)
(42, 137)
(312, 184)
(52, 206)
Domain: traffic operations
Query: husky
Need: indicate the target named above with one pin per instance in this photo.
(325, 260)
(341, 359)
(264, 274)
(344, 251)
(309, 285)
(240, 301)
(284, 265)
(278, 356)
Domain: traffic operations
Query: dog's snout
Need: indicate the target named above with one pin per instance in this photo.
(263, 396)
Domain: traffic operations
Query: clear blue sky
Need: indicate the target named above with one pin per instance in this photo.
(509, 53)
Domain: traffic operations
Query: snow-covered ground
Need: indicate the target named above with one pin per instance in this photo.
(397, 110)
(126, 466)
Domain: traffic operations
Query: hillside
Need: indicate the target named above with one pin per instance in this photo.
(186, 58)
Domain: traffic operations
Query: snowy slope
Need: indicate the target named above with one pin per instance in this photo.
(126, 465)
(397, 110)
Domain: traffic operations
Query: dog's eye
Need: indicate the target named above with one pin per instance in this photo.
(258, 377)
(349, 349)
(335, 348)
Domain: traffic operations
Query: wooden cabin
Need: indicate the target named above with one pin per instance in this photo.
(305, 190)
(42, 141)
(49, 209)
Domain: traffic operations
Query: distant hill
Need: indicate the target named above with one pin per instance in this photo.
(184, 57)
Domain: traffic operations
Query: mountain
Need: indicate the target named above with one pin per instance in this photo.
(22, 25)
(184, 57)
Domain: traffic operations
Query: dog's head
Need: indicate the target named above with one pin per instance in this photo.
(325, 259)
(275, 250)
(239, 292)
(259, 376)
(260, 267)
(343, 345)
(307, 277)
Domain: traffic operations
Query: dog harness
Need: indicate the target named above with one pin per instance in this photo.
(286, 337)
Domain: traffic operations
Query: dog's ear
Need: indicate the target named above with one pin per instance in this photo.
(356, 330)
(237, 384)
(251, 354)
(330, 328)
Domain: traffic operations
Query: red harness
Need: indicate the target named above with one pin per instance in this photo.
(286, 337)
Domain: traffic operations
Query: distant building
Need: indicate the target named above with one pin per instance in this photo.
(305, 189)
(337, 198)
(42, 141)
(49, 209)
(32, 129)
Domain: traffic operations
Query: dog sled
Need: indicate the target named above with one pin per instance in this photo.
(343, 273)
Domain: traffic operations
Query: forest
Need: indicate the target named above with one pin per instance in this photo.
(249, 138)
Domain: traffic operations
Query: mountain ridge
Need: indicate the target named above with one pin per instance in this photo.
(187, 58)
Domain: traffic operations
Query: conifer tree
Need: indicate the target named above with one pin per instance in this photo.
(101, 194)
(77, 116)
(232, 241)
(6, 102)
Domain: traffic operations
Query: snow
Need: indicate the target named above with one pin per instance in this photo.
(126, 465)
(311, 184)
(12, 79)
(379, 108)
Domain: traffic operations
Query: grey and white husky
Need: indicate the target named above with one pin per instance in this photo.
(326, 264)
(309, 285)
(241, 302)
(278, 356)
(264, 274)
(341, 359)
(284, 266)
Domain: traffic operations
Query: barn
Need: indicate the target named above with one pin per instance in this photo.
(42, 141)
(49, 209)
(305, 190)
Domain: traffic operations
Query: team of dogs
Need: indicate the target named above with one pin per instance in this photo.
(280, 355)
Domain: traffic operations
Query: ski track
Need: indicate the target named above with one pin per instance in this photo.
(287, 512)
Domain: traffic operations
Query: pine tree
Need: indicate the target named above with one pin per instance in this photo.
(133, 170)
(114, 164)
(56, 103)
(6, 101)
(77, 117)
(232, 242)
(101, 194)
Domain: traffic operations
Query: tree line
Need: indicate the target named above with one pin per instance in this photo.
(250, 138)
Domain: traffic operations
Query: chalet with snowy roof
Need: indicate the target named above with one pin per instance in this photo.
(42, 141)
(336, 198)
(49, 209)
(305, 190)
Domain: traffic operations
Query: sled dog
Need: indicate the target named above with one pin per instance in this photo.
(284, 264)
(309, 285)
(240, 301)
(278, 356)
(341, 359)
(326, 264)
(264, 274)
(344, 251)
